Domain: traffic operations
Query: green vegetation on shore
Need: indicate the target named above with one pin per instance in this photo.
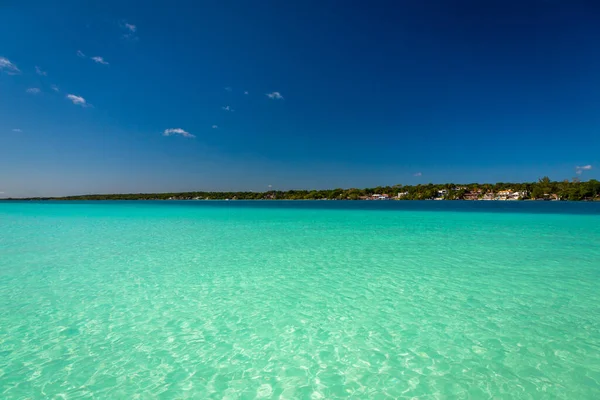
(574, 190)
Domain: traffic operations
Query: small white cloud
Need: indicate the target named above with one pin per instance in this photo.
(17, 130)
(275, 96)
(54, 87)
(77, 100)
(227, 108)
(8, 67)
(177, 131)
(99, 60)
(417, 174)
(39, 71)
(80, 54)
(131, 29)
(33, 90)
(215, 127)
(245, 92)
(579, 170)
(228, 89)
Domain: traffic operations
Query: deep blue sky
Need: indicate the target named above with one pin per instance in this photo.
(373, 93)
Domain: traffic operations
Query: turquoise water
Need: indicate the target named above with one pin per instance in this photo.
(299, 300)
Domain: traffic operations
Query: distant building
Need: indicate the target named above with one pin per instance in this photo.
(510, 195)
(519, 195)
(380, 197)
(402, 194)
(503, 194)
(472, 195)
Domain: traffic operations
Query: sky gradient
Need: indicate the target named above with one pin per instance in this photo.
(112, 97)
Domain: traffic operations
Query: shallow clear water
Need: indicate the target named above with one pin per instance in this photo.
(299, 300)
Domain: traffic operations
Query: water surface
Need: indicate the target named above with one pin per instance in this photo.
(299, 300)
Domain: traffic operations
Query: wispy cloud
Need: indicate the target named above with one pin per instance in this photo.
(99, 60)
(33, 90)
(579, 170)
(418, 174)
(39, 71)
(245, 92)
(8, 67)
(177, 131)
(215, 127)
(130, 30)
(78, 100)
(54, 87)
(228, 89)
(227, 108)
(275, 96)
(17, 130)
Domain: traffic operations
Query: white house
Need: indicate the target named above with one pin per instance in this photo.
(380, 197)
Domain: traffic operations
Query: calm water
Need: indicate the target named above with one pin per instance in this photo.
(299, 300)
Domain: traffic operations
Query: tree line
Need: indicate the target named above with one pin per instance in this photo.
(573, 190)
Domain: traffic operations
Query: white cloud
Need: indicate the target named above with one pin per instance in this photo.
(275, 96)
(228, 89)
(54, 87)
(33, 90)
(8, 67)
(131, 29)
(39, 71)
(215, 126)
(227, 108)
(245, 92)
(17, 130)
(77, 100)
(177, 131)
(99, 60)
(418, 174)
(579, 170)
(80, 54)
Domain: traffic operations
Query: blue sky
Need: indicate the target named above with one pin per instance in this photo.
(294, 94)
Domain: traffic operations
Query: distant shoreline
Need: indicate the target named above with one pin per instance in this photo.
(295, 200)
(543, 190)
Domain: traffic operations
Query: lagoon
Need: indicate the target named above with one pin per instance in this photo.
(299, 300)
